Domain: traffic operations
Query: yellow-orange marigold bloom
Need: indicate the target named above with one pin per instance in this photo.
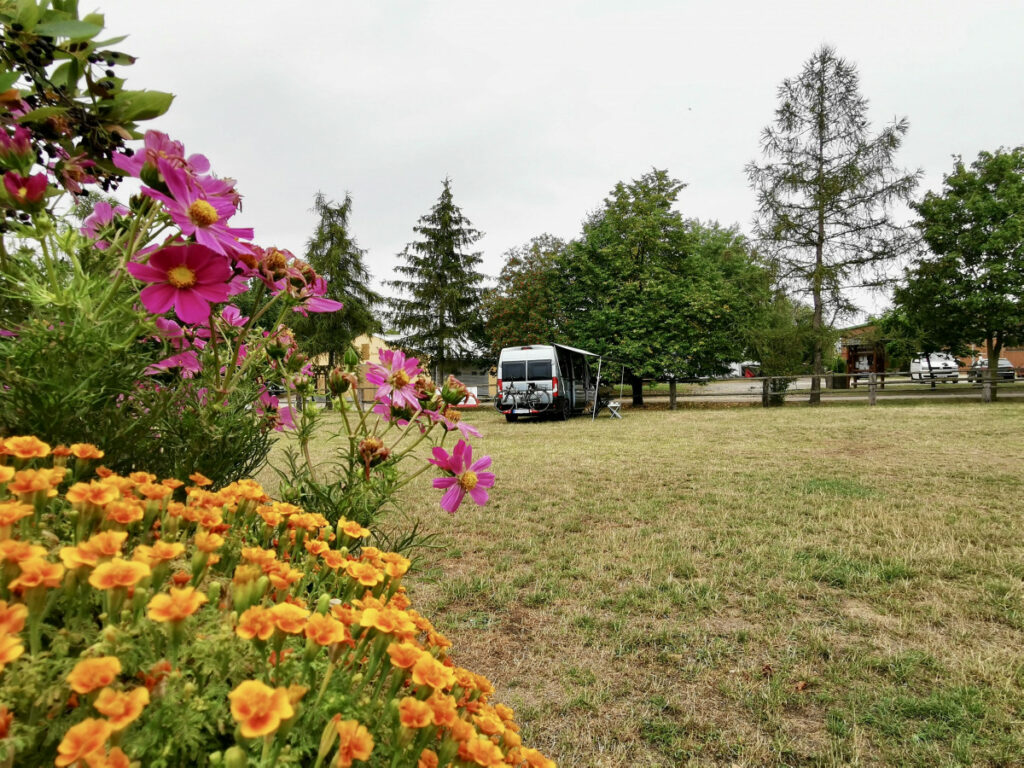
(91, 674)
(284, 509)
(482, 751)
(404, 655)
(118, 572)
(395, 565)
(14, 551)
(308, 521)
(443, 709)
(209, 517)
(10, 649)
(489, 724)
(29, 481)
(177, 605)
(104, 472)
(365, 573)
(98, 493)
(289, 618)
(428, 759)
(172, 483)
(429, 671)
(6, 718)
(282, 575)
(12, 617)
(346, 614)
(413, 713)
(82, 740)
(36, 572)
(26, 447)
(258, 708)
(153, 492)
(535, 759)
(107, 543)
(208, 542)
(325, 630)
(334, 559)
(355, 530)
(355, 742)
(200, 479)
(315, 547)
(160, 552)
(121, 708)
(6, 472)
(113, 759)
(78, 557)
(124, 512)
(258, 555)
(141, 478)
(12, 511)
(381, 620)
(256, 622)
(86, 451)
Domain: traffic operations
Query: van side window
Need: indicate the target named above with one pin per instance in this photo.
(513, 371)
(538, 369)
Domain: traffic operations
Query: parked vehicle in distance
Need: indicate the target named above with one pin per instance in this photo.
(979, 370)
(938, 366)
(543, 379)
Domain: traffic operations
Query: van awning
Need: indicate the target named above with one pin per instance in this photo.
(573, 349)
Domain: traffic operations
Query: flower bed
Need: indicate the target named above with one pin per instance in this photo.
(148, 622)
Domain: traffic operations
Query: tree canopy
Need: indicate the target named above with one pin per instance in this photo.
(825, 191)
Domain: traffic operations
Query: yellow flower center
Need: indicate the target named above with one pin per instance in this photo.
(468, 480)
(399, 378)
(181, 276)
(202, 214)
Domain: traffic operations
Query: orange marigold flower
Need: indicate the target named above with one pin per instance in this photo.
(104, 472)
(178, 605)
(200, 479)
(118, 573)
(346, 614)
(82, 741)
(28, 481)
(429, 671)
(315, 547)
(172, 483)
(443, 709)
(208, 542)
(26, 447)
(324, 630)
(284, 509)
(395, 565)
(282, 575)
(308, 521)
(256, 622)
(209, 517)
(354, 529)
(121, 708)
(86, 451)
(141, 478)
(124, 512)
(12, 511)
(98, 493)
(6, 472)
(10, 649)
(61, 451)
(6, 718)
(400, 601)
(355, 742)
(404, 655)
(482, 751)
(107, 543)
(12, 617)
(113, 759)
(91, 674)
(123, 484)
(258, 708)
(181, 578)
(289, 618)
(381, 620)
(14, 551)
(160, 552)
(535, 759)
(489, 724)
(258, 555)
(413, 713)
(36, 572)
(365, 573)
(153, 492)
(428, 759)
(334, 559)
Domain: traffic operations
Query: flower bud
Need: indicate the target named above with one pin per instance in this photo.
(337, 381)
(301, 383)
(351, 358)
(235, 757)
(454, 391)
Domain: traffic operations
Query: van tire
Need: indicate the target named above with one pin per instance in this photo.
(511, 418)
(564, 410)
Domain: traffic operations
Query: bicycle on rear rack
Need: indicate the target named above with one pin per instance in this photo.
(532, 399)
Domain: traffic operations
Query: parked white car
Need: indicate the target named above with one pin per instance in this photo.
(938, 366)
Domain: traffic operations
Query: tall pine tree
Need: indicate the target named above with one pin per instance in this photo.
(825, 190)
(437, 312)
(333, 253)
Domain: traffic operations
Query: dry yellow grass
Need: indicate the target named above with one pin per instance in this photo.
(832, 586)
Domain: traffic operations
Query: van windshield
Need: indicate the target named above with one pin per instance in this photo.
(513, 371)
(539, 369)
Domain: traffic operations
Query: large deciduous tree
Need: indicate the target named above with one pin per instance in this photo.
(437, 312)
(970, 289)
(333, 253)
(665, 297)
(524, 307)
(825, 192)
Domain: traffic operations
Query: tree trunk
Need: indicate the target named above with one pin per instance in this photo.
(672, 394)
(638, 389)
(819, 250)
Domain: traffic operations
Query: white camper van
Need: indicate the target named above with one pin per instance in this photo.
(544, 379)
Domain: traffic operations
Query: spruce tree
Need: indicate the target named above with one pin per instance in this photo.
(437, 312)
(825, 192)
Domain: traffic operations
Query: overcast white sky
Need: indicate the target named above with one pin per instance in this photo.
(535, 109)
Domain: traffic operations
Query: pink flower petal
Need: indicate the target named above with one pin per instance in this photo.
(190, 307)
(158, 298)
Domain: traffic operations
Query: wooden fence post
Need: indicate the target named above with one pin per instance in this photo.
(872, 388)
(765, 388)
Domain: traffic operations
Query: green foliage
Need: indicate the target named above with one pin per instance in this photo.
(437, 312)
(825, 191)
(971, 287)
(333, 253)
(524, 308)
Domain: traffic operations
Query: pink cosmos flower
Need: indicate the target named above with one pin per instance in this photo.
(159, 146)
(312, 299)
(17, 150)
(386, 411)
(102, 215)
(394, 379)
(187, 277)
(25, 192)
(463, 476)
(198, 210)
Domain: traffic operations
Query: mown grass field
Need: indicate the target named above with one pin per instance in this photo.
(742, 586)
